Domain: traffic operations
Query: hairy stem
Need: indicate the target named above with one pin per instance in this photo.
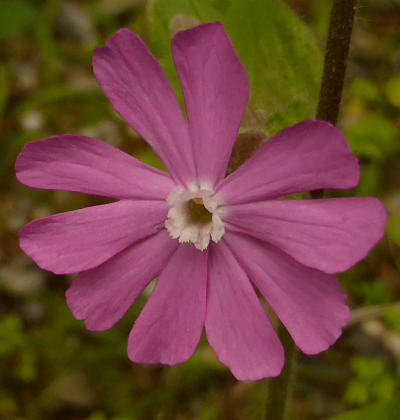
(336, 55)
(280, 388)
(337, 52)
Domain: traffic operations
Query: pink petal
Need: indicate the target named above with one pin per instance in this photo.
(310, 304)
(83, 239)
(85, 165)
(237, 326)
(169, 328)
(216, 91)
(139, 91)
(330, 235)
(307, 156)
(101, 296)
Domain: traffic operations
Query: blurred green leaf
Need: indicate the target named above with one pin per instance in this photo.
(356, 393)
(97, 415)
(27, 368)
(11, 334)
(49, 50)
(381, 411)
(393, 228)
(371, 175)
(373, 136)
(15, 15)
(279, 52)
(57, 93)
(210, 413)
(374, 292)
(392, 318)
(8, 405)
(5, 81)
(148, 156)
(392, 90)
(372, 381)
(364, 89)
(367, 368)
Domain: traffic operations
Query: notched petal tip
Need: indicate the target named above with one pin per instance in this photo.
(121, 35)
(310, 304)
(203, 27)
(216, 91)
(307, 156)
(331, 134)
(140, 359)
(28, 246)
(334, 335)
(377, 217)
(334, 134)
(114, 42)
(257, 376)
(237, 326)
(139, 91)
(169, 327)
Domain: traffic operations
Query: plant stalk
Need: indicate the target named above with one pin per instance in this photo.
(280, 388)
(336, 56)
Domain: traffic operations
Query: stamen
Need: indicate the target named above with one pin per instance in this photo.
(198, 214)
(195, 217)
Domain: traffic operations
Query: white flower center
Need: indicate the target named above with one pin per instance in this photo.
(195, 216)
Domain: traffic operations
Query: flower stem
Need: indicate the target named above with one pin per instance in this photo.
(336, 55)
(280, 388)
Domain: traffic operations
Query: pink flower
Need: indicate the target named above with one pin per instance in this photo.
(204, 235)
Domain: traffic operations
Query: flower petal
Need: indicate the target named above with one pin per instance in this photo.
(310, 303)
(85, 165)
(83, 239)
(330, 235)
(216, 91)
(308, 156)
(101, 296)
(169, 328)
(139, 91)
(237, 326)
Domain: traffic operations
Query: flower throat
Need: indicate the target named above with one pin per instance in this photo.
(195, 216)
(197, 212)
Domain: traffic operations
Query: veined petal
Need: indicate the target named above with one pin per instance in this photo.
(101, 296)
(311, 304)
(330, 235)
(139, 91)
(83, 239)
(238, 328)
(216, 91)
(308, 156)
(169, 328)
(85, 165)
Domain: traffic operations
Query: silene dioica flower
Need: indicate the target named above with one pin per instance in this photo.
(209, 239)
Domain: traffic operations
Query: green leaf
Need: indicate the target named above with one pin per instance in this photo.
(11, 334)
(373, 136)
(15, 15)
(382, 411)
(365, 90)
(5, 82)
(392, 90)
(148, 156)
(371, 178)
(280, 54)
(393, 228)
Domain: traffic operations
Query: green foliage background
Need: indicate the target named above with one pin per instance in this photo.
(50, 366)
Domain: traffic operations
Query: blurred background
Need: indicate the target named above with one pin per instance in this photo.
(50, 366)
